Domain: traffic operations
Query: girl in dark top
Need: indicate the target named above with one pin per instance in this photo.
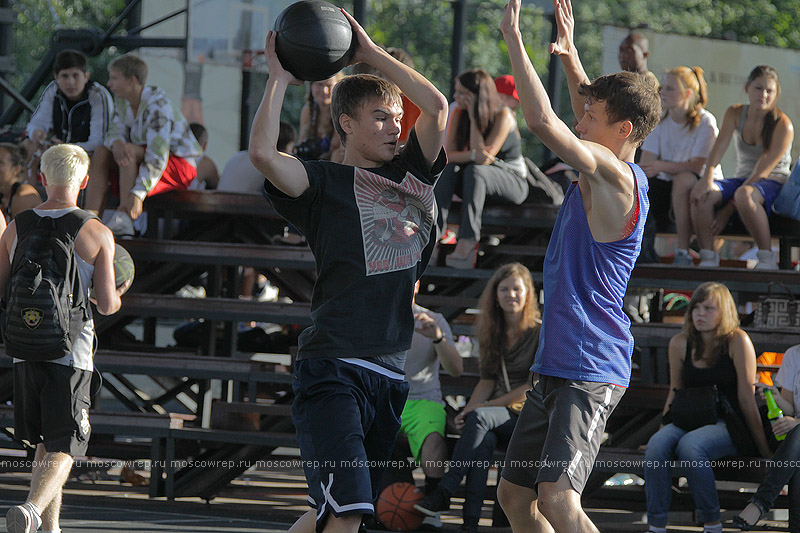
(485, 160)
(508, 335)
(318, 137)
(712, 350)
(15, 195)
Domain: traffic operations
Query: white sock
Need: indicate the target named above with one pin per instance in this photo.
(717, 528)
(654, 529)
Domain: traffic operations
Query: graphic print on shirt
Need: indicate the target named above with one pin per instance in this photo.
(396, 220)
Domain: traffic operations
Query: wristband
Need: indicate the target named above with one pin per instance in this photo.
(437, 341)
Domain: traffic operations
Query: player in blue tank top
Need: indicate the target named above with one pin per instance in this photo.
(584, 359)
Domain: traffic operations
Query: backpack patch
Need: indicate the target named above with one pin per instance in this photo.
(32, 317)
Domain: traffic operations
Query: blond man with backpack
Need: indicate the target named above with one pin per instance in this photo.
(50, 256)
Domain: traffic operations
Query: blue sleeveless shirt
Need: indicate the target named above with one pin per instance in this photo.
(585, 335)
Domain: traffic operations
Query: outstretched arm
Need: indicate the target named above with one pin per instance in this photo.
(432, 121)
(597, 163)
(564, 47)
(284, 171)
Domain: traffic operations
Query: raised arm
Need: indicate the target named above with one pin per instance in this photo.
(594, 161)
(782, 138)
(284, 171)
(430, 125)
(564, 47)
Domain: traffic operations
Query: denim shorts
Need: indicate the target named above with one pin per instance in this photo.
(769, 189)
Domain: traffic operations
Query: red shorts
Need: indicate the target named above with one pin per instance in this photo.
(177, 176)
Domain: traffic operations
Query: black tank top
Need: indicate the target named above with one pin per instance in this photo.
(722, 374)
(512, 147)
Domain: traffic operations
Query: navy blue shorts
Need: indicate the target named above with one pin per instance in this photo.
(347, 418)
(768, 188)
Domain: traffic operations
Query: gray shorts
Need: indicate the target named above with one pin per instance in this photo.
(559, 431)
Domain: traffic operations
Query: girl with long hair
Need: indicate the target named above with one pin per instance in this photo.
(673, 156)
(318, 138)
(15, 195)
(762, 136)
(507, 330)
(711, 350)
(484, 153)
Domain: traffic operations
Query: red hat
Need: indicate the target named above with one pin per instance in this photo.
(505, 85)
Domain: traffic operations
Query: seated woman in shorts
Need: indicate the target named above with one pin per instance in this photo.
(762, 136)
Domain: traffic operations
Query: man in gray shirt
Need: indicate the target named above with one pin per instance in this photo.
(424, 415)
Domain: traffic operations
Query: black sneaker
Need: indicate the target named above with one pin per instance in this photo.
(434, 503)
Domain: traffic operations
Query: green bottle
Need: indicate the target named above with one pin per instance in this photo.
(773, 411)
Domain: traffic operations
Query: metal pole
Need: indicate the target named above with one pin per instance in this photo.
(360, 11)
(457, 47)
(553, 81)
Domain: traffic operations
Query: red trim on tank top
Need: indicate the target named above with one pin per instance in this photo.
(630, 225)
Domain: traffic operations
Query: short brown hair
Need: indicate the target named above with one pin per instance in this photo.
(352, 92)
(130, 66)
(627, 96)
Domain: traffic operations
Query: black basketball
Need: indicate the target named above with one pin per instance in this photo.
(314, 40)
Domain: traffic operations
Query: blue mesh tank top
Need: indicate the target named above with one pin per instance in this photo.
(585, 335)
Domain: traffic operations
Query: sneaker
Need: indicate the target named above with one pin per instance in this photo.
(22, 519)
(709, 258)
(434, 504)
(766, 260)
(449, 237)
(431, 523)
(682, 258)
(121, 225)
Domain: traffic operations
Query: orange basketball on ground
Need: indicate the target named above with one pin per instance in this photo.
(396, 507)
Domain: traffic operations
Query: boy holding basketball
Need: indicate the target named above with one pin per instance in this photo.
(583, 363)
(369, 222)
(51, 398)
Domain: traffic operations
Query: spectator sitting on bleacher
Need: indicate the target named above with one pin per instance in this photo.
(15, 194)
(318, 139)
(484, 153)
(239, 174)
(711, 350)
(149, 143)
(507, 91)
(633, 52)
(784, 468)
(763, 137)
(508, 336)
(207, 173)
(72, 109)
(673, 156)
(424, 417)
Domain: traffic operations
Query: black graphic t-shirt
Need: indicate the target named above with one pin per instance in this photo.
(371, 232)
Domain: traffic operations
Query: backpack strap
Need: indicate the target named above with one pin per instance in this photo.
(74, 221)
(25, 222)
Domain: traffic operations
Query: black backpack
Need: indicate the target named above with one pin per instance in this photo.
(45, 305)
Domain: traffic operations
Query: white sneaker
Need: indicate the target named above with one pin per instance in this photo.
(766, 260)
(431, 523)
(121, 225)
(682, 258)
(22, 519)
(709, 258)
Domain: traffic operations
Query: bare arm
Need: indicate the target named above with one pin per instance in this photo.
(652, 165)
(449, 357)
(481, 151)
(284, 171)
(782, 139)
(677, 353)
(564, 47)
(744, 359)
(514, 395)
(432, 104)
(97, 242)
(27, 197)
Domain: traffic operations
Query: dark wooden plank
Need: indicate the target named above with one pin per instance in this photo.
(226, 309)
(188, 204)
(736, 279)
(218, 253)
